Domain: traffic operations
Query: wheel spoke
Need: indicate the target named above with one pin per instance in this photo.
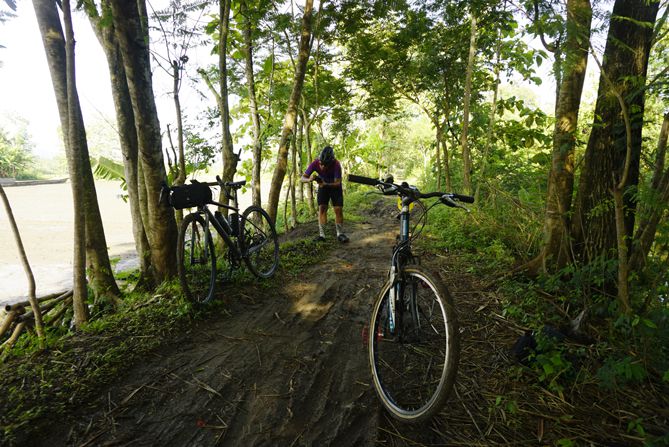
(414, 372)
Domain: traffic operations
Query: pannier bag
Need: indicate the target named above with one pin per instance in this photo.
(188, 196)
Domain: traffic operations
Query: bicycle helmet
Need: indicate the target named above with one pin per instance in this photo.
(327, 156)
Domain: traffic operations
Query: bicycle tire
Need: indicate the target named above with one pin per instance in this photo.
(258, 241)
(196, 259)
(428, 339)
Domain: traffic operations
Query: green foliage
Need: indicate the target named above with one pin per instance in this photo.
(15, 152)
(619, 372)
(108, 344)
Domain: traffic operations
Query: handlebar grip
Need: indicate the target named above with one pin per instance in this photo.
(364, 180)
(461, 198)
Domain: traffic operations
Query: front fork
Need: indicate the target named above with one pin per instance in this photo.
(392, 301)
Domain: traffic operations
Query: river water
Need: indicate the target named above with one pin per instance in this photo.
(44, 215)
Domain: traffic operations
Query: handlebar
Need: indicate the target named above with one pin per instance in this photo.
(404, 189)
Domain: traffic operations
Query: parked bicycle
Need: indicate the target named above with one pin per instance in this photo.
(250, 237)
(413, 331)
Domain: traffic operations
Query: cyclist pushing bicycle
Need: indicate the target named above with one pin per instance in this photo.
(327, 172)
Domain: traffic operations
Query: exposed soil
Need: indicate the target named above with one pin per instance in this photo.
(286, 366)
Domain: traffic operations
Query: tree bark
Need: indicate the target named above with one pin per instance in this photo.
(130, 26)
(291, 182)
(60, 61)
(651, 213)
(490, 133)
(625, 63)
(99, 267)
(125, 121)
(230, 159)
(464, 140)
(256, 196)
(287, 133)
(556, 250)
(77, 149)
(39, 326)
(307, 140)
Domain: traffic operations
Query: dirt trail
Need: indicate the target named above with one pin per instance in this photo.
(287, 367)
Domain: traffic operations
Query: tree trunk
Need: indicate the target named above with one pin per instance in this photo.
(291, 183)
(127, 136)
(99, 267)
(652, 211)
(229, 157)
(464, 143)
(77, 148)
(176, 76)
(39, 326)
(129, 22)
(300, 161)
(307, 140)
(438, 156)
(606, 157)
(556, 251)
(59, 60)
(288, 130)
(253, 106)
(490, 134)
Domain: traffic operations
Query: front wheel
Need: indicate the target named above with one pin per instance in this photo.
(196, 260)
(259, 244)
(414, 364)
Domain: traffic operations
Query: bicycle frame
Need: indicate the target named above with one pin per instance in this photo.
(225, 233)
(401, 253)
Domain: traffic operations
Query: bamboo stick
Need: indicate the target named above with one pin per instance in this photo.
(15, 335)
(7, 322)
(56, 296)
(58, 315)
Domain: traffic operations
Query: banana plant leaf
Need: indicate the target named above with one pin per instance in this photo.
(107, 169)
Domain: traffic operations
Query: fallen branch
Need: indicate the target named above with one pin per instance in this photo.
(8, 320)
(58, 315)
(7, 345)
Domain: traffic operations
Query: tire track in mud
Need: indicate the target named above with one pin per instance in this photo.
(285, 367)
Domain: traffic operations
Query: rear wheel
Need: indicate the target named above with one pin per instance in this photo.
(196, 260)
(259, 243)
(414, 366)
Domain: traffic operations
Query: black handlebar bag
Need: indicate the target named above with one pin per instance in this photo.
(189, 196)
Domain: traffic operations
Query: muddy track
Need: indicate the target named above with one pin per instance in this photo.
(283, 367)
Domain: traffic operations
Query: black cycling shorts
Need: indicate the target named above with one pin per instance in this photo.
(327, 194)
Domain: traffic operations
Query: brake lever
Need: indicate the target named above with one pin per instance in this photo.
(445, 199)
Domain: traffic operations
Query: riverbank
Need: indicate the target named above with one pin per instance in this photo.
(44, 215)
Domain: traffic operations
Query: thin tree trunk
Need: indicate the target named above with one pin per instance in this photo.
(230, 159)
(75, 163)
(99, 267)
(464, 138)
(490, 134)
(253, 105)
(307, 139)
(556, 251)
(438, 156)
(291, 186)
(127, 136)
(39, 326)
(129, 20)
(651, 213)
(300, 166)
(288, 130)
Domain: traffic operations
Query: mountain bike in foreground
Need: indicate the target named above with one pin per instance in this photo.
(413, 331)
(250, 237)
